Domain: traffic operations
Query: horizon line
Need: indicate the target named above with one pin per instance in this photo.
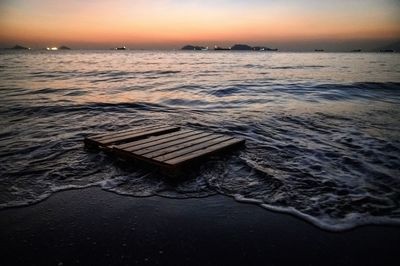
(328, 45)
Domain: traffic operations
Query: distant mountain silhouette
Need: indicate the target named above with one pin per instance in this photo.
(19, 47)
(241, 47)
(245, 47)
(193, 48)
(236, 47)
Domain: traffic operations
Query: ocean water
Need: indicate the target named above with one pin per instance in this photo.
(322, 130)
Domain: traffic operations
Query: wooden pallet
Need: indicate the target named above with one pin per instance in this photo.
(162, 145)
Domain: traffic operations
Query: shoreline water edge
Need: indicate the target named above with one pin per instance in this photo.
(321, 129)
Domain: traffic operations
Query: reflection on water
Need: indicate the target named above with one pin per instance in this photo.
(322, 130)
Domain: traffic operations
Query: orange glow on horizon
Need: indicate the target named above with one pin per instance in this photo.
(109, 22)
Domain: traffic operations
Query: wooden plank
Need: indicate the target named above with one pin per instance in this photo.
(134, 131)
(188, 148)
(139, 135)
(155, 139)
(157, 144)
(207, 151)
(103, 141)
(122, 131)
(127, 154)
(151, 139)
(178, 148)
(172, 143)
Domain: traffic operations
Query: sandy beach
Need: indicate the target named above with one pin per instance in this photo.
(95, 227)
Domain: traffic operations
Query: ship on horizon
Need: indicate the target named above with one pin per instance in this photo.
(218, 48)
(387, 51)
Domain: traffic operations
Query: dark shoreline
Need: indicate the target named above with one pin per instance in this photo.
(94, 227)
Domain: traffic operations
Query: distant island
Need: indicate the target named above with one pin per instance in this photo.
(245, 47)
(19, 47)
(236, 47)
(241, 47)
(194, 48)
(64, 48)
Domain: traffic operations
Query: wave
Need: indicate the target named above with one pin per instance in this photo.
(297, 67)
(319, 145)
(99, 73)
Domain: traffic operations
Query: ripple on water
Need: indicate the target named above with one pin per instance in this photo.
(322, 149)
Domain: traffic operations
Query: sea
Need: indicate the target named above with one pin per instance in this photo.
(322, 130)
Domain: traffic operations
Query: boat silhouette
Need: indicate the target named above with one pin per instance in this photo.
(217, 48)
(387, 51)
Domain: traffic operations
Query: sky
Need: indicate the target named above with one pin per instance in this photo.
(286, 24)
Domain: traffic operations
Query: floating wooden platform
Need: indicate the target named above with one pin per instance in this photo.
(162, 145)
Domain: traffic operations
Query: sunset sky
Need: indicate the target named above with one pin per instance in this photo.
(173, 23)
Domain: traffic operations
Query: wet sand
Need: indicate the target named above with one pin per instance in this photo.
(95, 227)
